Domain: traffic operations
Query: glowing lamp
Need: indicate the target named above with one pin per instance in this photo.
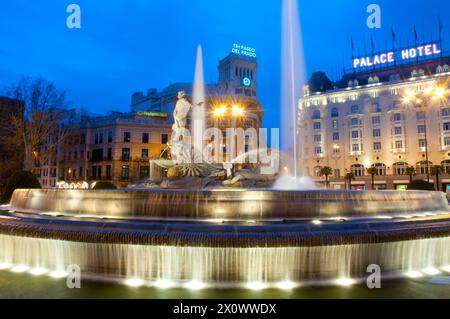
(237, 111)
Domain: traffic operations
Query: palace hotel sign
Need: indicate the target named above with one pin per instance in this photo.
(422, 51)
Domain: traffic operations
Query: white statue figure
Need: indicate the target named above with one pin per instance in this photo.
(181, 112)
(182, 153)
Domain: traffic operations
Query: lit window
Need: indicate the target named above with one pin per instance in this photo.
(445, 111)
(127, 137)
(355, 148)
(335, 124)
(318, 150)
(397, 130)
(447, 141)
(355, 134)
(398, 144)
(358, 170)
(397, 117)
(336, 137)
(316, 115)
(377, 146)
(421, 129)
(334, 112)
(125, 171)
(376, 120)
(145, 138)
(422, 143)
(355, 109)
(446, 126)
(377, 133)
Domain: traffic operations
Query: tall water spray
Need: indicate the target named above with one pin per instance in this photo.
(199, 109)
(292, 77)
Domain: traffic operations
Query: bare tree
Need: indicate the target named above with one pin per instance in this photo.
(43, 122)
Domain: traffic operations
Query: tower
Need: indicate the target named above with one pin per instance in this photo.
(238, 76)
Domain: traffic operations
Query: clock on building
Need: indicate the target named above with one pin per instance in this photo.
(246, 82)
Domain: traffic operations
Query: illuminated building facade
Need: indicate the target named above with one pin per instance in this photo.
(230, 103)
(382, 118)
(116, 147)
(119, 146)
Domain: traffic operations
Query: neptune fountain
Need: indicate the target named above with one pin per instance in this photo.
(221, 236)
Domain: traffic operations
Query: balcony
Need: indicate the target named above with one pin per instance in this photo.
(101, 159)
(399, 150)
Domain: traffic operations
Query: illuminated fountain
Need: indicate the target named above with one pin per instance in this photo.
(250, 238)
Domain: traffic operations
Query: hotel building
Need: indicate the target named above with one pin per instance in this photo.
(383, 118)
(119, 146)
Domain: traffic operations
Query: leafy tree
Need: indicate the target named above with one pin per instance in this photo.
(20, 180)
(436, 170)
(410, 171)
(372, 171)
(349, 177)
(326, 171)
(42, 122)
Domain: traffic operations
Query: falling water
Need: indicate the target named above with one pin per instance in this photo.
(199, 111)
(241, 266)
(292, 77)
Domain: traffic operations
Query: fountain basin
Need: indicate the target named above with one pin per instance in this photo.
(258, 238)
(227, 203)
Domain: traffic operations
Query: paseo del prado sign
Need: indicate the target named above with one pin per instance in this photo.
(405, 55)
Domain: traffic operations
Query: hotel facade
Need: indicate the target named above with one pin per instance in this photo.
(381, 118)
(118, 147)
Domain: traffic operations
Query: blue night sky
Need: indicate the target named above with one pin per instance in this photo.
(131, 45)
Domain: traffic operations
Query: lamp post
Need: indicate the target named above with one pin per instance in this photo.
(423, 100)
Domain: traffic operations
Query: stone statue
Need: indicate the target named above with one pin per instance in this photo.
(181, 112)
(182, 152)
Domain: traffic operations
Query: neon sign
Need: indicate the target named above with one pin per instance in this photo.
(152, 114)
(243, 50)
(246, 82)
(422, 51)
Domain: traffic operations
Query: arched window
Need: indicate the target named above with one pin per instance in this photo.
(381, 168)
(414, 73)
(421, 72)
(439, 69)
(355, 109)
(446, 166)
(358, 170)
(350, 83)
(376, 79)
(400, 168)
(446, 68)
(334, 112)
(317, 115)
(370, 80)
(356, 83)
(422, 167)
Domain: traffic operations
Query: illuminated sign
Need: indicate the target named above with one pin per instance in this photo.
(422, 51)
(246, 82)
(243, 50)
(152, 114)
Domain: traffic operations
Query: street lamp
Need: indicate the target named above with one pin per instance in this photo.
(423, 99)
